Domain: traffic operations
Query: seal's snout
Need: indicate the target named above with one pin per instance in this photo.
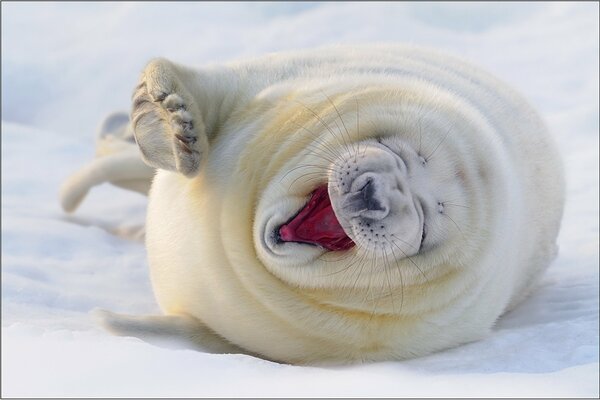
(373, 197)
(367, 198)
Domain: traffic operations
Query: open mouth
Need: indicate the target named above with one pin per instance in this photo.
(317, 224)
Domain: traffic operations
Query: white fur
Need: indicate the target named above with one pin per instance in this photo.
(486, 173)
(117, 162)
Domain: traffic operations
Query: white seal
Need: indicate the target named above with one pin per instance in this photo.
(343, 204)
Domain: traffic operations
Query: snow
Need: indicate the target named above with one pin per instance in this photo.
(65, 66)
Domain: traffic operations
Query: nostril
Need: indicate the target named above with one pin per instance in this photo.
(400, 186)
(368, 195)
(365, 187)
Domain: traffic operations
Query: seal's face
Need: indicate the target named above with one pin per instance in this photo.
(375, 197)
(358, 200)
(377, 194)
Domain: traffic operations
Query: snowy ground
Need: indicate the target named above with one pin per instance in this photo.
(65, 66)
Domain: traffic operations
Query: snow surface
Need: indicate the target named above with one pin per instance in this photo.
(66, 65)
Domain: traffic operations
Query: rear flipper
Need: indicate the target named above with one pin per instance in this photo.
(125, 170)
(118, 161)
(167, 330)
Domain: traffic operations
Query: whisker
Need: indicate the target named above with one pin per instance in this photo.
(362, 265)
(316, 151)
(406, 243)
(322, 122)
(320, 167)
(410, 259)
(346, 255)
(314, 178)
(387, 263)
(330, 150)
(318, 174)
(420, 125)
(376, 298)
(341, 119)
(455, 224)
(436, 147)
(401, 282)
(357, 261)
(454, 205)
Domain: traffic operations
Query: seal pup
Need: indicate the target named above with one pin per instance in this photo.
(339, 205)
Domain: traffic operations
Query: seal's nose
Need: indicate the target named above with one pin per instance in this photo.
(367, 198)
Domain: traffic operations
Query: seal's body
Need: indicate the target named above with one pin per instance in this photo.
(343, 204)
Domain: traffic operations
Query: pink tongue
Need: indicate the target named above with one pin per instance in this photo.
(316, 223)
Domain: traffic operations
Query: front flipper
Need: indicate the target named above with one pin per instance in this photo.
(167, 329)
(166, 120)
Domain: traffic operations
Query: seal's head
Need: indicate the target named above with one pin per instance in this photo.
(377, 195)
(373, 189)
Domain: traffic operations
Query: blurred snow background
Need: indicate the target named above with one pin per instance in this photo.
(66, 65)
